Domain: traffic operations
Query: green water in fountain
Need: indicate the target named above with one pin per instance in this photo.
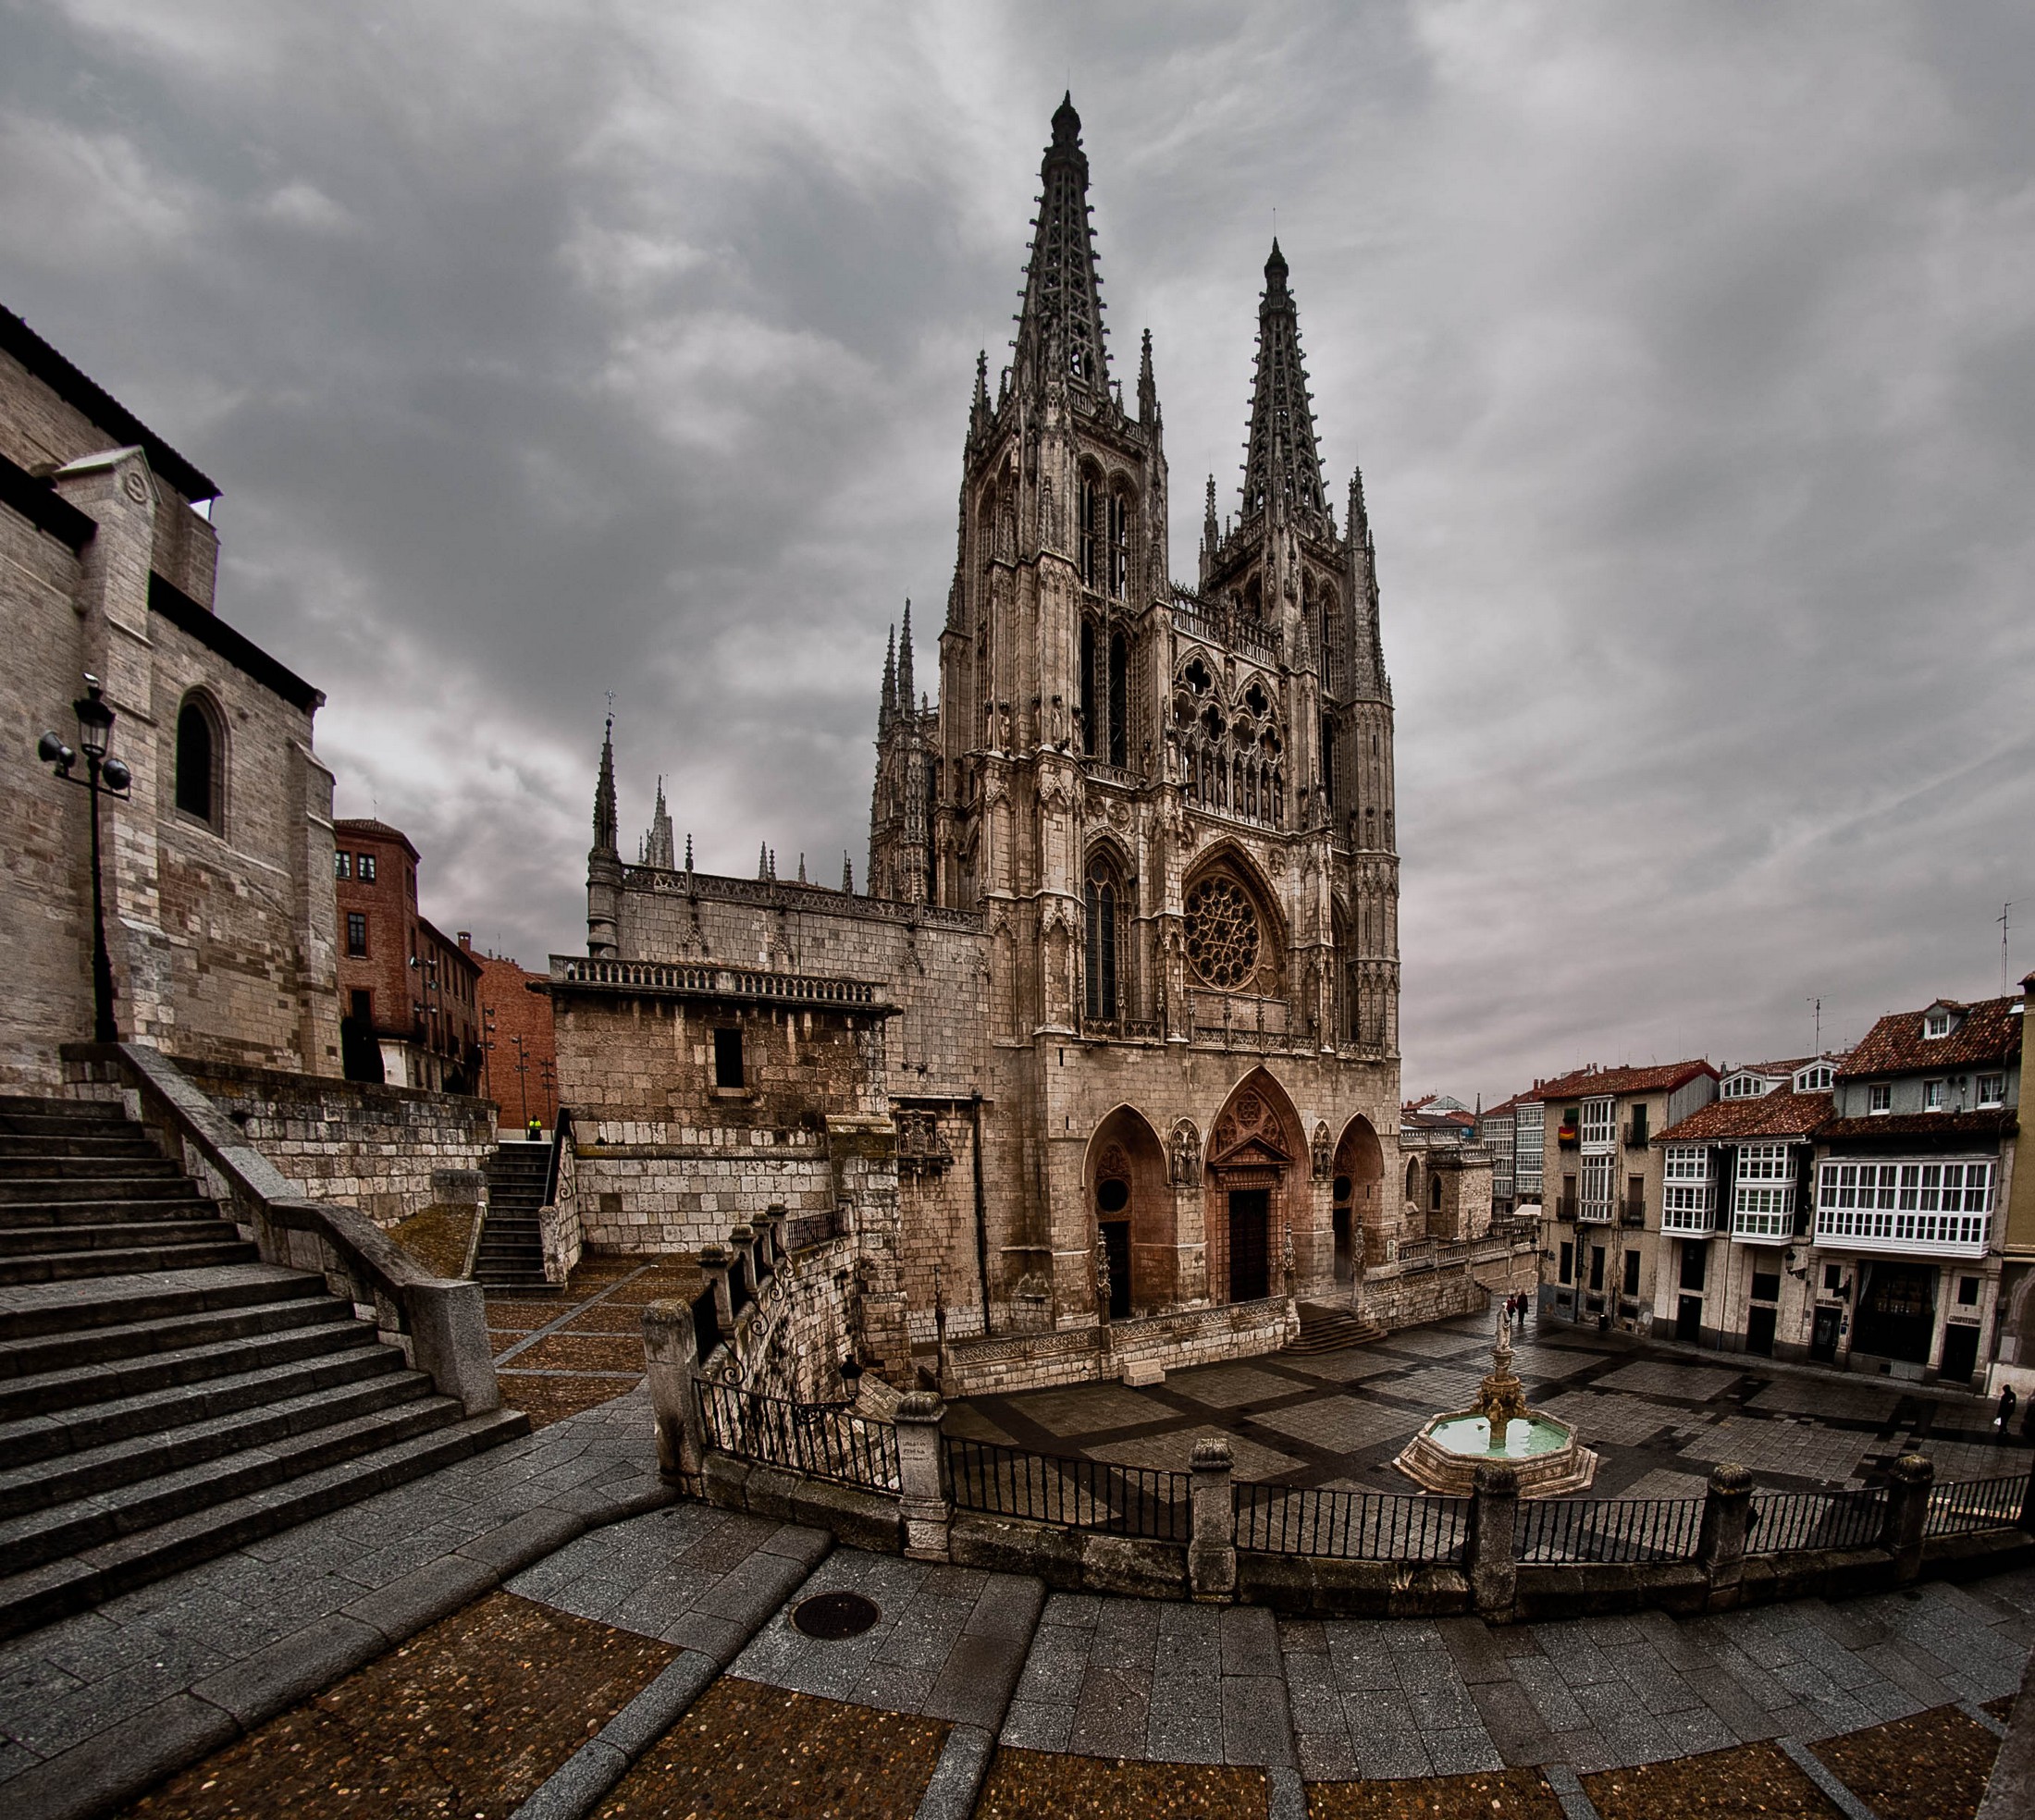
(1463, 1435)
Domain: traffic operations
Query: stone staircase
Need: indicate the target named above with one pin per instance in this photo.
(1326, 1329)
(511, 1248)
(165, 1396)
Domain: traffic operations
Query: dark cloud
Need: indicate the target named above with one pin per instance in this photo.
(1688, 349)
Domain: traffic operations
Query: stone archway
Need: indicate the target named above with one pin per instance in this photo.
(1359, 1199)
(1255, 1179)
(1131, 1204)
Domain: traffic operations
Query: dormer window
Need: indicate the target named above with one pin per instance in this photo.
(1815, 1078)
(1938, 1021)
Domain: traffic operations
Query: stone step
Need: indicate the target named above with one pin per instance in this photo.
(77, 1583)
(96, 1187)
(27, 1240)
(25, 1216)
(88, 1522)
(238, 1432)
(55, 1266)
(63, 1313)
(126, 1145)
(1331, 1330)
(61, 1106)
(110, 1365)
(94, 1121)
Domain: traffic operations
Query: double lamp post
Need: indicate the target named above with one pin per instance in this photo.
(104, 776)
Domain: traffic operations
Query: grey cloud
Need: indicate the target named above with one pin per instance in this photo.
(1687, 351)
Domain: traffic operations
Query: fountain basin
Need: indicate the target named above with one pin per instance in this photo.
(1445, 1455)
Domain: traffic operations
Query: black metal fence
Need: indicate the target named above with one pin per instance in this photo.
(1078, 1494)
(1977, 1504)
(1352, 1526)
(821, 1441)
(1608, 1530)
(1781, 1522)
(809, 1229)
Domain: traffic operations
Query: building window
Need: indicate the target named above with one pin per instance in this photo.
(343, 865)
(1433, 1193)
(1597, 1189)
(1568, 1261)
(1905, 1205)
(1879, 1098)
(1766, 1285)
(1968, 1291)
(1223, 940)
(1744, 1086)
(1091, 706)
(1599, 1123)
(1596, 1267)
(1631, 1273)
(1091, 502)
(1815, 1078)
(367, 869)
(1936, 1023)
(1529, 1134)
(1833, 1278)
(356, 934)
(1763, 1198)
(1119, 702)
(1991, 1089)
(1119, 547)
(1935, 1096)
(363, 1005)
(727, 1058)
(1103, 951)
(201, 748)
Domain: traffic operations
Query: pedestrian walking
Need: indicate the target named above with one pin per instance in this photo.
(2007, 1401)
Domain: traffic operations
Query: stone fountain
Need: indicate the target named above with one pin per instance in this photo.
(1499, 1429)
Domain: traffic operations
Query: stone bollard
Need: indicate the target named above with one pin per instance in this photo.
(1488, 1552)
(1212, 1547)
(741, 1258)
(1908, 1483)
(1727, 1510)
(925, 1494)
(713, 1266)
(668, 1347)
(772, 1225)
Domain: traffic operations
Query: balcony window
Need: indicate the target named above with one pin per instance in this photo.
(1763, 1194)
(1879, 1098)
(1599, 1123)
(1930, 1207)
(1597, 1189)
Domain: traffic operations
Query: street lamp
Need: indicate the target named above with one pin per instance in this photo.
(103, 777)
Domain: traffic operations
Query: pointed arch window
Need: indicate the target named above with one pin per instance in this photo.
(1119, 547)
(1091, 528)
(1091, 706)
(201, 759)
(1119, 702)
(1104, 960)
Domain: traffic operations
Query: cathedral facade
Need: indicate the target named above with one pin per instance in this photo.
(1124, 979)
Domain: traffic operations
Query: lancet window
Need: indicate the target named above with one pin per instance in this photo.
(1102, 969)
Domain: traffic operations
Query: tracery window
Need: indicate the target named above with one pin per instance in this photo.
(1105, 948)
(1119, 547)
(1223, 939)
(1091, 505)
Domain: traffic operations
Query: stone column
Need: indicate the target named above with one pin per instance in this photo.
(925, 1491)
(1488, 1553)
(1908, 1483)
(713, 1266)
(1721, 1545)
(1212, 1549)
(670, 1350)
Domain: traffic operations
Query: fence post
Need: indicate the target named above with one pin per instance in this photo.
(1908, 1483)
(668, 1346)
(772, 1227)
(1488, 1552)
(1721, 1544)
(1212, 1515)
(713, 1266)
(924, 1490)
(742, 1257)
(2027, 1518)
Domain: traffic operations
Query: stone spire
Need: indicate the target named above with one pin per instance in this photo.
(1281, 462)
(847, 873)
(1148, 390)
(979, 409)
(656, 843)
(889, 704)
(1360, 518)
(604, 796)
(762, 859)
(907, 695)
(1060, 328)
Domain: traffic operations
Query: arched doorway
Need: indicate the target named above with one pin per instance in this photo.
(1359, 1209)
(1256, 1180)
(1131, 1203)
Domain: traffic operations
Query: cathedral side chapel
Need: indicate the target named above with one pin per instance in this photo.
(1110, 1042)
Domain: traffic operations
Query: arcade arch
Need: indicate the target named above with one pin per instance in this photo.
(1255, 1180)
(1131, 1201)
(1359, 1215)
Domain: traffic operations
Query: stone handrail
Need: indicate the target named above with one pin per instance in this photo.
(440, 1323)
(722, 982)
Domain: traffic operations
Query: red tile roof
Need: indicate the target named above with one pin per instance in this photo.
(1595, 1082)
(1769, 1115)
(1990, 1032)
(1920, 1125)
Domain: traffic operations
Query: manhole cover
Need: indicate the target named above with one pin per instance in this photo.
(835, 1615)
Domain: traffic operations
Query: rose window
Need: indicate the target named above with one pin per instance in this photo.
(1222, 934)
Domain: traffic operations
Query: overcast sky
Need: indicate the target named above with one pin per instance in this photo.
(547, 351)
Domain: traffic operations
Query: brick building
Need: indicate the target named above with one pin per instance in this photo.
(1126, 983)
(519, 1056)
(219, 864)
(409, 996)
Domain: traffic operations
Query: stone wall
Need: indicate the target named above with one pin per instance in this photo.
(389, 1151)
(1141, 1349)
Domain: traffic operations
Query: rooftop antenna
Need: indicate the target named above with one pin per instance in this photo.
(2006, 911)
(1818, 1005)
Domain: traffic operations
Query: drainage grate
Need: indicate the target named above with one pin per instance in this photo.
(834, 1616)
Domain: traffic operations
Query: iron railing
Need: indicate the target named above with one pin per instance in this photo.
(804, 1231)
(1782, 1521)
(821, 1441)
(1609, 1530)
(1352, 1526)
(1079, 1494)
(1977, 1504)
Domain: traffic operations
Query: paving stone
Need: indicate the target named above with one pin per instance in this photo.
(1111, 1714)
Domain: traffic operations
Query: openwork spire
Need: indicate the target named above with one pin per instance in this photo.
(1280, 459)
(657, 843)
(1060, 329)
(604, 795)
(889, 704)
(906, 693)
